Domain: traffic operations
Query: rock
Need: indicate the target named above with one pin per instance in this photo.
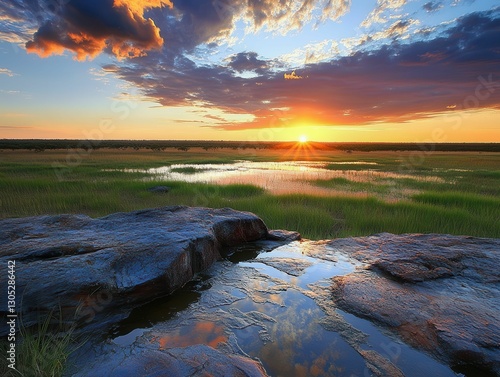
(380, 366)
(439, 293)
(159, 189)
(197, 360)
(283, 235)
(74, 261)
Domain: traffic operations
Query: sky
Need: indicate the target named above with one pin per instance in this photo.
(260, 70)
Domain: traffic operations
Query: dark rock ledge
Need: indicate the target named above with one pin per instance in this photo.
(106, 264)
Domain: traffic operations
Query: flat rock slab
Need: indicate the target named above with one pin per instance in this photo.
(70, 261)
(439, 293)
(197, 360)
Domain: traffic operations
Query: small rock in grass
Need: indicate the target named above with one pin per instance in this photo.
(159, 189)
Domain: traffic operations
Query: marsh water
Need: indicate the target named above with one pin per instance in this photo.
(274, 306)
(292, 177)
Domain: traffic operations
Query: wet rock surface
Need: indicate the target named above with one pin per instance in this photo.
(439, 293)
(180, 291)
(72, 261)
(275, 309)
(198, 360)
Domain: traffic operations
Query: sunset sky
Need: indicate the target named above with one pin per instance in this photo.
(332, 70)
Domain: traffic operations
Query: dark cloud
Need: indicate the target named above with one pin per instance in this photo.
(247, 61)
(432, 6)
(195, 22)
(397, 82)
(398, 27)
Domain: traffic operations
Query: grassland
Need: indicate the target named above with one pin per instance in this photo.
(465, 199)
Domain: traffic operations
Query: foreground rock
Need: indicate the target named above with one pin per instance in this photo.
(71, 261)
(197, 360)
(439, 293)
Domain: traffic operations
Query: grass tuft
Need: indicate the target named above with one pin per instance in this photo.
(42, 350)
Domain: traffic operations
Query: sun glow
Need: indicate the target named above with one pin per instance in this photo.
(302, 139)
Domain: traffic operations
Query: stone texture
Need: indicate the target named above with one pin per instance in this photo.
(98, 264)
(198, 360)
(439, 293)
(284, 235)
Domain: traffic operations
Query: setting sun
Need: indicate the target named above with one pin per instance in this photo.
(303, 139)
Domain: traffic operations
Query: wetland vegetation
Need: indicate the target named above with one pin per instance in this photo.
(369, 192)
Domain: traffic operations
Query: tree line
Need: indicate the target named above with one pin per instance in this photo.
(40, 145)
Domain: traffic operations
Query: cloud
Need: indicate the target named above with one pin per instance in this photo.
(311, 53)
(286, 15)
(86, 27)
(192, 23)
(401, 80)
(5, 71)
(215, 117)
(134, 28)
(432, 6)
(247, 61)
(399, 29)
(292, 76)
(379, 14)
(394, 83)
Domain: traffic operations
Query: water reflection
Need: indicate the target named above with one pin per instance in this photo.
(242, 253)
(299, 346)
(205, 332)
(159, 310)
(276, 307)
(285, 177)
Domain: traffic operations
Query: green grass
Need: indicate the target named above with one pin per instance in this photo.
(459, 202)
(344, 184)
(42, 350)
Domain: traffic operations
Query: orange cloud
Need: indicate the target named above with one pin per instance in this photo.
(202, 333)
(44, 47)
(139, 6)
(292, 76)
(90, 29)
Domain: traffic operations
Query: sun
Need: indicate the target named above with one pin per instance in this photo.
(302, 139)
